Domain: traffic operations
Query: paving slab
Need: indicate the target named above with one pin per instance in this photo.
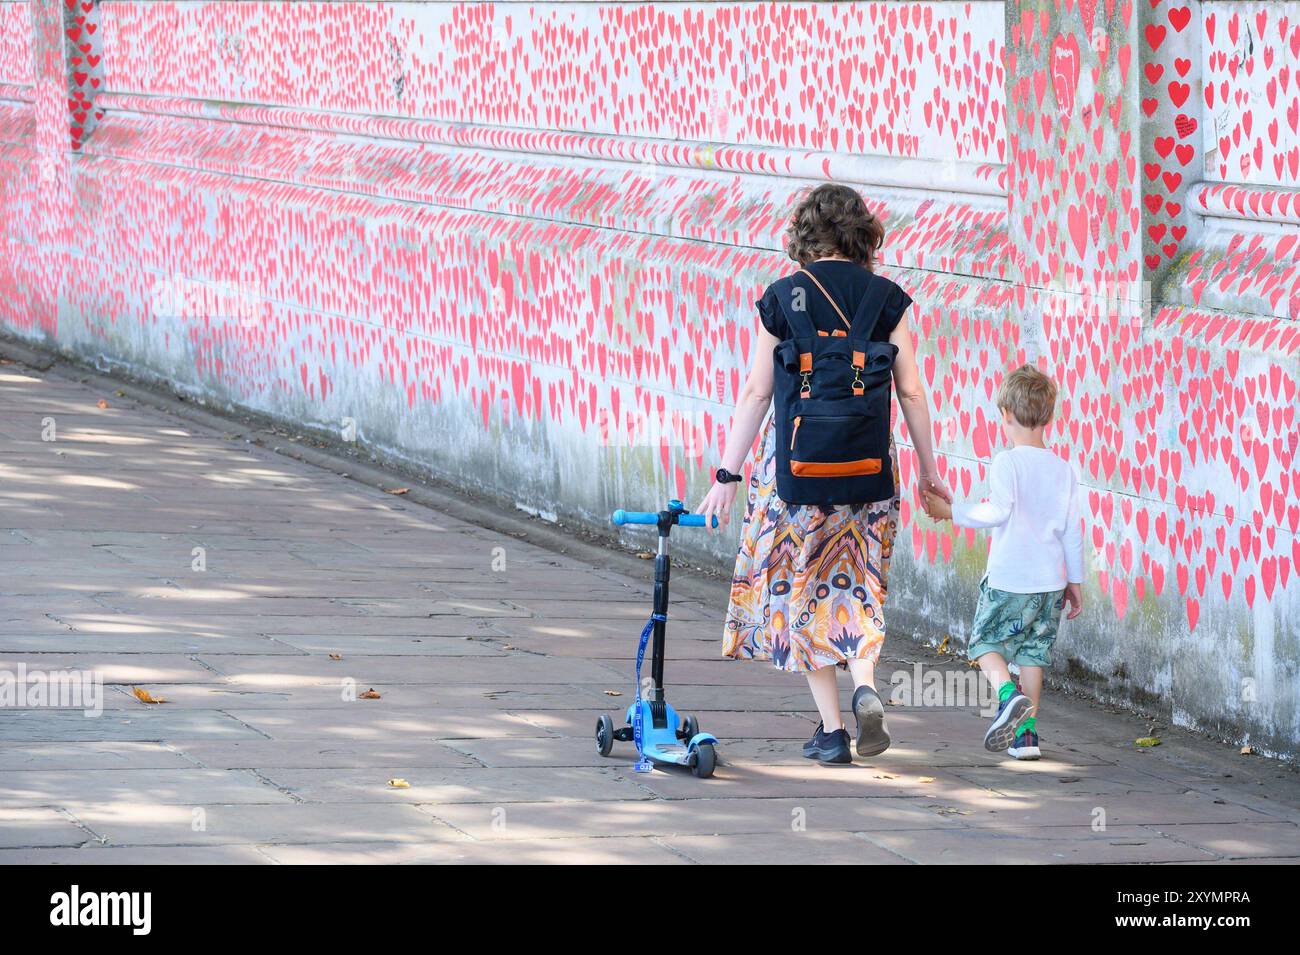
(370, 720)
(792, 848)
(82, 639)
(450, 785)
(111, 667)
(137, 823)
(1265, 840)
(96, 854)
(83, 757)
(39, 827)
(264, 754)
(1038, 846)
(559, 851)
(146, 723)
(496, 666)
(189, 787)
(668, 817)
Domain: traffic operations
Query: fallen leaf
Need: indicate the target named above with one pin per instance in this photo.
(927, 779)
(144, 697)
(102, 403)
(398, 783)
(646, 554)
(1248, 751)
(886, 775)
(1148, 741)
(943, 647)
(119, 394)
(1068, 779)
(335, 656)
(370, 694)
(613, 693)
(397, 490)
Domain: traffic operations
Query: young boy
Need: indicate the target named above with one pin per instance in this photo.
(1035, 561)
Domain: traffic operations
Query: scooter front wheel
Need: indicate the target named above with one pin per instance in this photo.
(604, 735)
(690, 726)
(705, 761)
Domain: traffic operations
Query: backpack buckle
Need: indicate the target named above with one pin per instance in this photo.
(805, 384)
(858, 387)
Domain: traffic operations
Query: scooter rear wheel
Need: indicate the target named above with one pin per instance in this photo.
(705, 761)
(604, 735)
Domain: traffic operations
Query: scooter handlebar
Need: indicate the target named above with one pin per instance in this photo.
(622, 517)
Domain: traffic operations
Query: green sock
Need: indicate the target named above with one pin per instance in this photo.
(1029, 726)
(1006, 691)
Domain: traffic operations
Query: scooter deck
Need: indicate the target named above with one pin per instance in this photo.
(661, 744)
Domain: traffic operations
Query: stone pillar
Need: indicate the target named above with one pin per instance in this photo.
(1104, 114)
(68, 72)
(1170, 104)
(69, 50)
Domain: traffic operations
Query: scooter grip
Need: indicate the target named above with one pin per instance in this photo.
(621, 517)
(695, 520)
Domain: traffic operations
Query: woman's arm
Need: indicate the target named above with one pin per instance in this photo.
(916, 410)
(751, 407)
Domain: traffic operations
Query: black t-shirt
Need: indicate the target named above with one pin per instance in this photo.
(847, 284)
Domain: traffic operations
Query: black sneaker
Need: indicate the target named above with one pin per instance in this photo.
(873, 738)
(828, 747)
(810, 747)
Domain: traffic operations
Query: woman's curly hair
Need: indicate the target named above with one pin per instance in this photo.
(832, 220)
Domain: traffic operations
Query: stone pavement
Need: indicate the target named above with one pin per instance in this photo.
(251, 590)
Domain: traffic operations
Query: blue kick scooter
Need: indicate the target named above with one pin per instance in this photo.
(661, 737)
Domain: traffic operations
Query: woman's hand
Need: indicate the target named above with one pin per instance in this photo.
(717, 503)
(931, 483)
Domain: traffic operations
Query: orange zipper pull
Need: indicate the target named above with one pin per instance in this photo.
(797, 419)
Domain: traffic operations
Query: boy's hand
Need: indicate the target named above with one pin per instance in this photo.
(938, 508)
(1074, 597)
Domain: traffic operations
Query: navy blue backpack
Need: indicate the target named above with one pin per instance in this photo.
(832, 392)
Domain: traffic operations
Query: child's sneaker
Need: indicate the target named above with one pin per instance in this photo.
(1025, 746)
(1013, 711)
(828, 747)
(873, 738)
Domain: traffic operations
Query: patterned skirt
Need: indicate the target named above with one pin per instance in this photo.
(810, 582)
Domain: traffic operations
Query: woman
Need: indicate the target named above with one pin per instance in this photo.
(810, 581)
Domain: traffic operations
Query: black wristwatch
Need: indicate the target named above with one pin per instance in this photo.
(723, 476)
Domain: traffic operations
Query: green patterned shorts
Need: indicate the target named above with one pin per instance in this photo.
(1019, 627)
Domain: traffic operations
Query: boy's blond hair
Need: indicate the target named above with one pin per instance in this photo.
(1029, 395)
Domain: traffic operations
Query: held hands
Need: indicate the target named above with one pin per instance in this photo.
(936, 498)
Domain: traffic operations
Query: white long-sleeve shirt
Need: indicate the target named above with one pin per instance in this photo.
(1033, 510)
